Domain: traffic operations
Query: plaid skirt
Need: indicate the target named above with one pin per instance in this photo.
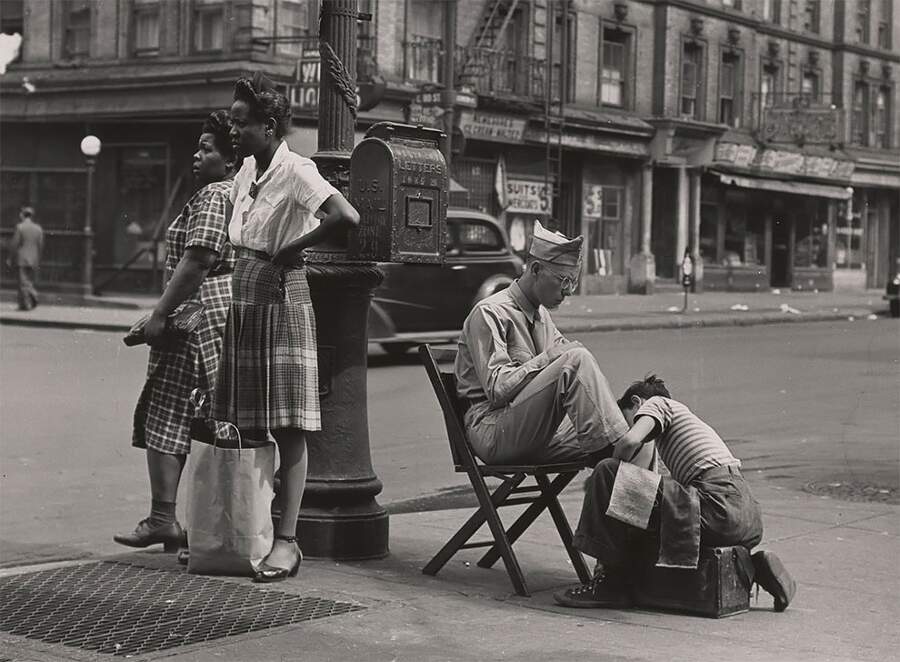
(162, 418)
(268, 372)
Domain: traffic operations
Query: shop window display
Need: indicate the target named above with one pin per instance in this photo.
(848, 234)
(603, 208)
(744, 241)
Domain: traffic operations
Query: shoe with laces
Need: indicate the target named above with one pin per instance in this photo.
(608, 592)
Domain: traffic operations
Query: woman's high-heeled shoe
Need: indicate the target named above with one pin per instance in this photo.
(267, 574)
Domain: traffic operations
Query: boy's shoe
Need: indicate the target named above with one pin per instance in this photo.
(774, 578)
(608, 592)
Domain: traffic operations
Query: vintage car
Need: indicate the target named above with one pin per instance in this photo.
(892, 290)
(419, 303)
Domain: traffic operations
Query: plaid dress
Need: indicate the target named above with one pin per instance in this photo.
(268, 373)
(164, 412)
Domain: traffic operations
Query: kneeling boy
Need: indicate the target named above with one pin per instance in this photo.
(706, 501)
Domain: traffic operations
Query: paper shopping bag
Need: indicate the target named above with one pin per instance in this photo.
(230, 492)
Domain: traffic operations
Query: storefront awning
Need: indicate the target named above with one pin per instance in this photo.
(782, 186)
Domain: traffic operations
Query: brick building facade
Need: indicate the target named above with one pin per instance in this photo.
(761, 136)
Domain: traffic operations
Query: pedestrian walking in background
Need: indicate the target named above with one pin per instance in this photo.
(26, 246)
(199, 263)
(268, 375)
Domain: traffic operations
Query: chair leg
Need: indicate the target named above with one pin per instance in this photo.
(500, 540)
(527, 517)
(562, 525)
(467, 530)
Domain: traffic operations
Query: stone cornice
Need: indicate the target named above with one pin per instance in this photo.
(770, 29)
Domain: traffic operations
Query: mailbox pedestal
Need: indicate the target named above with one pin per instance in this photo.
(340, 518)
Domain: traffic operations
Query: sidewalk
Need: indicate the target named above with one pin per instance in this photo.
(843, 555)
(578, 313)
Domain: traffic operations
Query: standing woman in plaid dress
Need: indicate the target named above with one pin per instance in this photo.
(268, 375)
(199, 262)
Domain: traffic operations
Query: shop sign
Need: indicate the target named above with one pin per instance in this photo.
(802, 125)
(592, 142)
(425, 108)
(592, 203)
(739, 155)
(492, 126)
(304, 94)
(466, 99)
(528, 197)
(784, 162)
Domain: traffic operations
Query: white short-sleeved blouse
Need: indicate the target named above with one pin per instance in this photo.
(288, 195)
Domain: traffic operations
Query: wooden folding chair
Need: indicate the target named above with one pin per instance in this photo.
(549, 481)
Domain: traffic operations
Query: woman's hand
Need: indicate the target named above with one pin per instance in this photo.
(154, 330)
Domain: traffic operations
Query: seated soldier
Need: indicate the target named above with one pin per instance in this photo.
(531, 395)
(705, 501)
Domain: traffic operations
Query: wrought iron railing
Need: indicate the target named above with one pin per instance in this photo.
(425, 59)
(501, 72)
(799, 118)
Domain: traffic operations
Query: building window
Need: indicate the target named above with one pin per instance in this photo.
(729, 85)
(772, 11)
(811, 16)
(564, 42)
(860, 114)
(768, 85)
(209, 26)
(12, 16)
(880, 117)
(145, 17)
(863, 10)
(425, 43)
(884, 24)
(734, 4)
(292, 25)
(614, 68)
(809, 85)
(692, 81)
(77, 37)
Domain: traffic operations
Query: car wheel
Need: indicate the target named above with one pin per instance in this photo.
(397, 348)
(895, 307)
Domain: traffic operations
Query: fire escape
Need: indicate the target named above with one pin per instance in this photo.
(538, 79)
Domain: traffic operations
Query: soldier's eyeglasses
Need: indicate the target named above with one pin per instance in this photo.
(567, 283)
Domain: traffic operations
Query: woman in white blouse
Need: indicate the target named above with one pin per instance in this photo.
(268, 377)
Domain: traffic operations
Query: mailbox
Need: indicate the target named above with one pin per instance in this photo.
(400, 186)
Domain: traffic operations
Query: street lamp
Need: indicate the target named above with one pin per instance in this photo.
(90, 147)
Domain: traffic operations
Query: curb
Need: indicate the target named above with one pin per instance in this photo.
(688, 323)
(65, 324)
(621, 324)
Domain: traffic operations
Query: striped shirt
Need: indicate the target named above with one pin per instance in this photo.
(687, 445)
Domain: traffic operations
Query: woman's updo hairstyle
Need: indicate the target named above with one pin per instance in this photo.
(218, 123)
(264, 102)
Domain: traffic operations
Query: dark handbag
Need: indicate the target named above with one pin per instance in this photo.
(179, 324)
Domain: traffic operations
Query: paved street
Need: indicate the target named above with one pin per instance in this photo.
(808, 403)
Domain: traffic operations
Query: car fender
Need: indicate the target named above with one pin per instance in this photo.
(491, 286)
(380, 324)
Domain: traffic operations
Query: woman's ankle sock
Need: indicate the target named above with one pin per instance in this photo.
(161, 513)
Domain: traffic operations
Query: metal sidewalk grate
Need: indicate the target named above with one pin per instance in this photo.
(125, 609)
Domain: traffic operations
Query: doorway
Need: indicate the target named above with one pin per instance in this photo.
(781, 251)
